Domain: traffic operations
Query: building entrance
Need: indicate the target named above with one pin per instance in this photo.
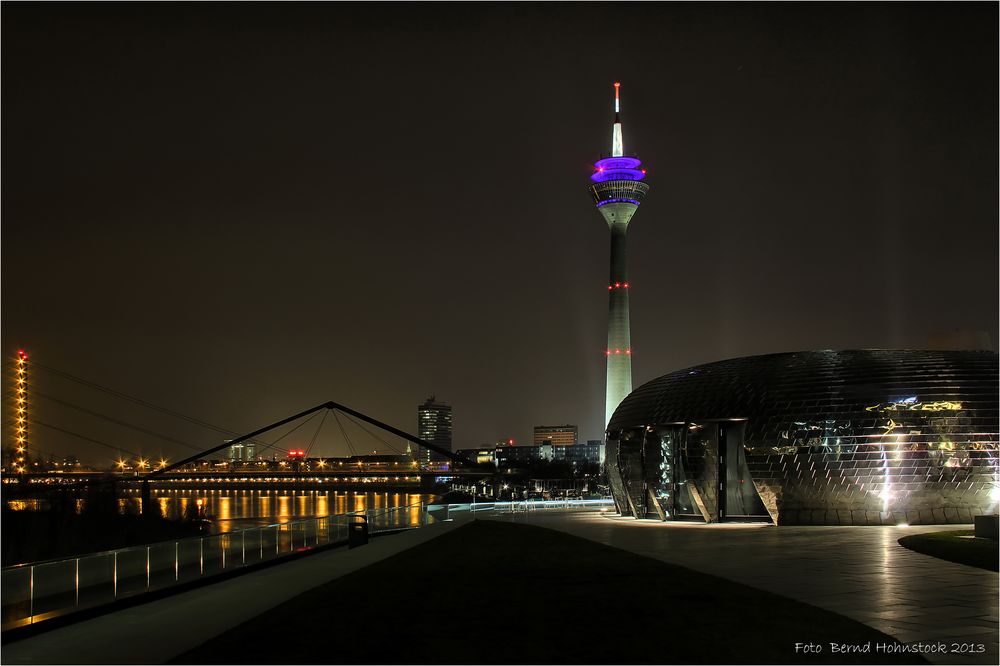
(689, 471)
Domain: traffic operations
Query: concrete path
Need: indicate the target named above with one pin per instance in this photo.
(155, 632)
(860, 572)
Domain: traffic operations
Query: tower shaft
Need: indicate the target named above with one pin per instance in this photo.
(618, 190)
(619, 351)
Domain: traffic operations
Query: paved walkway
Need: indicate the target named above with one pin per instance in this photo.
(859, 572)
(155, 632)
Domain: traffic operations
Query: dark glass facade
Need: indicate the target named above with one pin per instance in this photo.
(865, 437)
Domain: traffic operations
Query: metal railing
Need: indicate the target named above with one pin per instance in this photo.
(38, 591)
(449, 511)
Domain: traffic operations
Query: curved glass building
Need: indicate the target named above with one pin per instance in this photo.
(865, 437)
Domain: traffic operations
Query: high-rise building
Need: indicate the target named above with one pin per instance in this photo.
(618, 190)
(243, 451)
(434, 426)
(561, 435)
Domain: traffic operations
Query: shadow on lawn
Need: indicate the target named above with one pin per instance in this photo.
(956, 546)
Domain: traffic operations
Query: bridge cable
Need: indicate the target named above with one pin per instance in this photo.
(117, 421)
(52, 456)
(373, 434)
(316, 434)
(344, 433)
(131, 398)
(119, 449)
(267, 446)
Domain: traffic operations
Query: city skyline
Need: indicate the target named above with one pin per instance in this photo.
(239, 213)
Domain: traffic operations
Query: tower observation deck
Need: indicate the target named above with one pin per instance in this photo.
(618, 190)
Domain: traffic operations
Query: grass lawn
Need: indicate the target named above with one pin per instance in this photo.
(982, 553)
(504, 593)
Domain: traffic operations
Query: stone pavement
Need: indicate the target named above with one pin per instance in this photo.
(155, 632)
(859, 572)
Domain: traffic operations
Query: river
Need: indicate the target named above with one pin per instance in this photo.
(238, 509)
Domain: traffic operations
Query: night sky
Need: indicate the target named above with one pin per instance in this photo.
(240, 211)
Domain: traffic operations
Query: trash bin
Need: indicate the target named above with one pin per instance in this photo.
(357, 532)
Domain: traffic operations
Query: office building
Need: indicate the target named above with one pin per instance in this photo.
(483, 455)
(434, 426)
(513, 456)
(563, 435)
(242, 451)
(592, 453)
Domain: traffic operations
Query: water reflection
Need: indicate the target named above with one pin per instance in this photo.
(283, 511)
(238, 509)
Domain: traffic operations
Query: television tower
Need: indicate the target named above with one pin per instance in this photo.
(618, 190)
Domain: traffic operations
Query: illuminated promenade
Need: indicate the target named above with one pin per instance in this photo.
(858, 572)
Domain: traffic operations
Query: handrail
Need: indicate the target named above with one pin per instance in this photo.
(66, 587)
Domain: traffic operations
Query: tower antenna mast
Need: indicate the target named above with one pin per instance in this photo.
(617, 143)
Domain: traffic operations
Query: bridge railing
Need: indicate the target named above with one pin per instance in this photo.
(38, 591)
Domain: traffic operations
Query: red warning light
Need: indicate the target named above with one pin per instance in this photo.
(626, 285)
(618, 284)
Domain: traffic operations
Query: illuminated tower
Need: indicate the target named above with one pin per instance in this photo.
(618, 189)
(21, 410)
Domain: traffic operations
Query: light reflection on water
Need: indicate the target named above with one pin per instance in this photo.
(239, 509)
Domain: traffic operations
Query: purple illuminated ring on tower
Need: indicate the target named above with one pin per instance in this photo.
(618, 191)
(610, 201)
(618, 163)
(617, 168)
